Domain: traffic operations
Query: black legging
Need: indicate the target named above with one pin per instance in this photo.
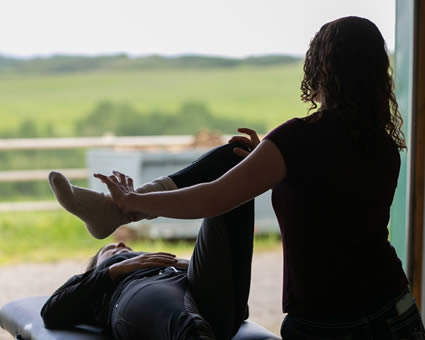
(218, 279)
(221, 260)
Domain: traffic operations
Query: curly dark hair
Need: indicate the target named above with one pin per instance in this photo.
(348, 71)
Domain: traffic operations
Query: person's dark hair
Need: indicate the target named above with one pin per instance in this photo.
(93, 260)
(347, 69)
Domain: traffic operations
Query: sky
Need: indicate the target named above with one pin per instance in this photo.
(234, 28)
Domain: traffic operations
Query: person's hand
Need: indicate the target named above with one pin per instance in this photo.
(142, 261)
(182, 264)
(119, 186)
(252, 141)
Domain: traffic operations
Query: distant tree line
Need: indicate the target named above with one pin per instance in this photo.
(29, 128)
(106, 117)
(122, 119)
(123, 62)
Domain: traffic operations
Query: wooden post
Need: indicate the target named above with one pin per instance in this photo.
(416, 242)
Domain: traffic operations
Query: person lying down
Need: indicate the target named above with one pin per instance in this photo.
(142, 295)
(136, 295)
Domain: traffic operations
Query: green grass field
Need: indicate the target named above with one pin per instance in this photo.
(270, 94)
(57, 235)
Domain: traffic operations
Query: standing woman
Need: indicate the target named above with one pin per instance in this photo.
(333, 176)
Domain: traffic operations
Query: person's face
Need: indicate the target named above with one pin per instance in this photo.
(112, 249)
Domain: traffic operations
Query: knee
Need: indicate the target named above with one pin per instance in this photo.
(241, 145)
(227, 152)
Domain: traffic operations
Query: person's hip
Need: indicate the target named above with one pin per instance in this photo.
(399, 319)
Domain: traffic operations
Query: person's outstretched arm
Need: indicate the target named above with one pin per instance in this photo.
(257, 173)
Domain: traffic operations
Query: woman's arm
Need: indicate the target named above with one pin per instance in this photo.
(142, 261)
(260, 171)
(182, 264)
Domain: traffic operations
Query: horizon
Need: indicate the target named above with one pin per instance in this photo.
(130, 56)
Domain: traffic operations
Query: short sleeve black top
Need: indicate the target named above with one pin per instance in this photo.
(333, 210)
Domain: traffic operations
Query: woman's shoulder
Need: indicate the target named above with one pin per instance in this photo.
(288, 136)
(287, 127)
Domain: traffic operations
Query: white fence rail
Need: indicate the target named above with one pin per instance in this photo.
(144, 142)
(141, 143)
(39, 175)
(29, 206)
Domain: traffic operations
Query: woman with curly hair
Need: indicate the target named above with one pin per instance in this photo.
(333, 176)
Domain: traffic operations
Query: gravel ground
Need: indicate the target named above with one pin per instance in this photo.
(42, 279)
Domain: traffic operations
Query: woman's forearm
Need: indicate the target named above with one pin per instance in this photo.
(258, 172)
(194, 202)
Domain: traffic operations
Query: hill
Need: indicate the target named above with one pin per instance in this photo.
(39, 99)
(123, 62)
(129, 99)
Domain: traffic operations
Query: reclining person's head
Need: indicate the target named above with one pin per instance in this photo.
(106, 252)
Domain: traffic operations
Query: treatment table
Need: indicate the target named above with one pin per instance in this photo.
(22, 319)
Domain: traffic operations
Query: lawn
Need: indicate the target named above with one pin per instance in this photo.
(270, 94)
(57, 235)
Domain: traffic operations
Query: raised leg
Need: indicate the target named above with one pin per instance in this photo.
(102, 217)
(208, 167)
(220, 269)
(219, 273)
(99, 213)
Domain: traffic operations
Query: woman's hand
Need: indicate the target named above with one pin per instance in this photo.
(120, 186)
(143, 261)
(251, 142)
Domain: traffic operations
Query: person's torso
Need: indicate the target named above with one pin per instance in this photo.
(333, 209)
(142, 278)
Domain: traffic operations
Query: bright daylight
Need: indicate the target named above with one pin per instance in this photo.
(216, 170)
